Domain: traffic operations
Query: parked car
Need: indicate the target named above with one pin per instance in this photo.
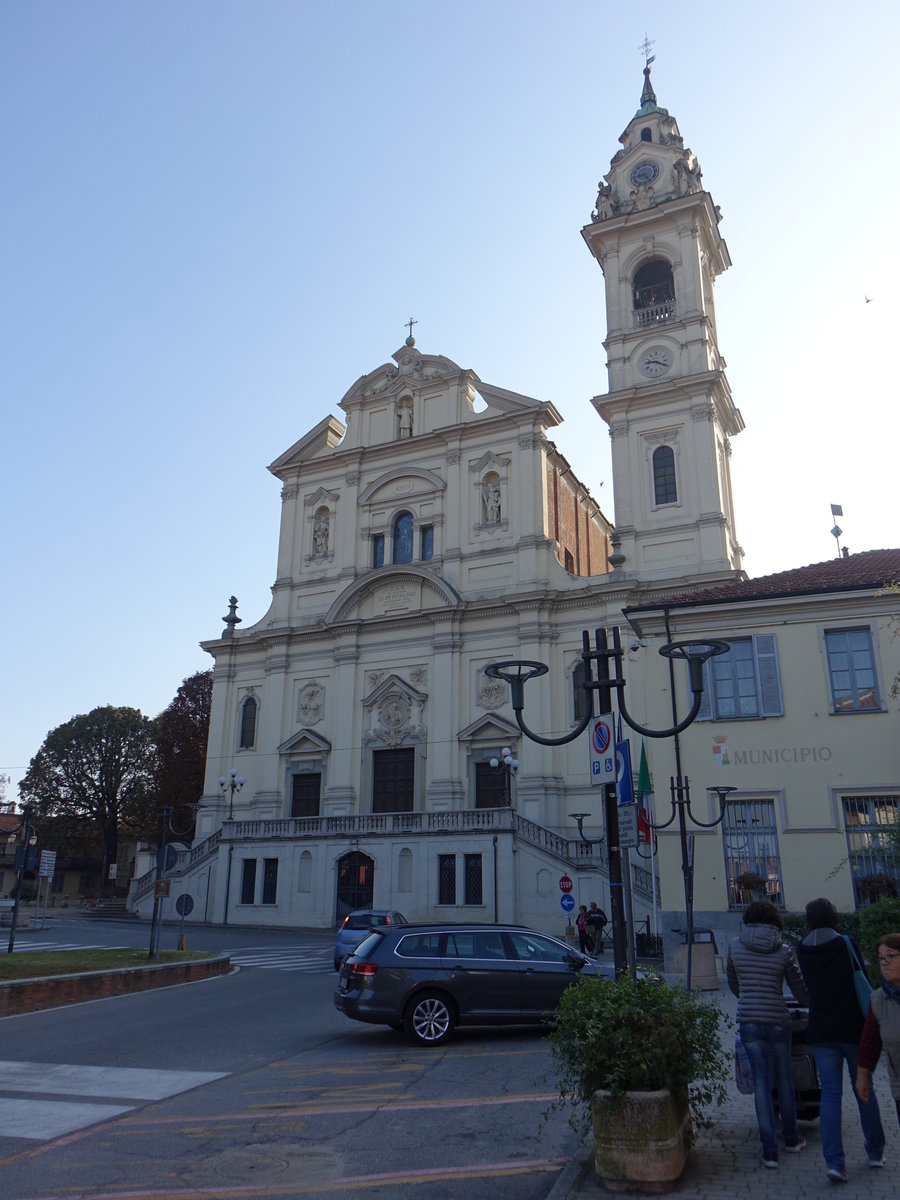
(429, 979)
(357, 924)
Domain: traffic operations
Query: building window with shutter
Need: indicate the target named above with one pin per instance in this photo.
(743, 684)
(752, 860)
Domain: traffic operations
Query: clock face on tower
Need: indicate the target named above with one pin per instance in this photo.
(655, 361)
(644, 172)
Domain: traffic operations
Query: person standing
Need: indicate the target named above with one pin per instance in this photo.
(758, 965)
(881, 1029)
(597, 922)
(584, 943)
(833, 1033)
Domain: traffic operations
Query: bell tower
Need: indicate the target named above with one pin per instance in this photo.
(655, 234)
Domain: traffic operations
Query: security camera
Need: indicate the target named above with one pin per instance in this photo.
(636, 645)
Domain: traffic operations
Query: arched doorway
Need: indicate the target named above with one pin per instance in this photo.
(356, 881)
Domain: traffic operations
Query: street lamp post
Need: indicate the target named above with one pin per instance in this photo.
(27, 814)
(517, 672)
(508, 764)
(231, 785)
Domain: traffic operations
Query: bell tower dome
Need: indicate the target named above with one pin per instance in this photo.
(655, 234)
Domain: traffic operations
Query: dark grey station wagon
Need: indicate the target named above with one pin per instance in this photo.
(429, 979)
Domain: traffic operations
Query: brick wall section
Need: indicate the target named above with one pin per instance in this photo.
(51, 991)
(575, 523)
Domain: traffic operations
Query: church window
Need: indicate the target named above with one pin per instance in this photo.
(378, 550)
(654, 293)
(646, 135)
(248, 881)
(472, 879)
(490, 786)
(270, 880)
(426, 542)
(305, 791)
(446, 879)
(393, 777)
(248, 724)
(569, 561)
(403, 538)
(665, 490)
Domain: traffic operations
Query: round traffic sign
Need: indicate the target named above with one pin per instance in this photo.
(567, 903)
(565, 883)
(601, 736)
(184, 904)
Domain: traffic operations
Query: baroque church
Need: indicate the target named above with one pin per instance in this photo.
(359, 754)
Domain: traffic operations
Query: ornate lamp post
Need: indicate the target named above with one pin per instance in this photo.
(508, 764)
(517, 672)
(578, 818)
(231, 785)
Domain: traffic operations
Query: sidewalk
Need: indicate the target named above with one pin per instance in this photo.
(725, 1163)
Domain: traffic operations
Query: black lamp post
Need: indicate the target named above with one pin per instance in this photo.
(517, 672)
(231, 785)
(508, 764)
(27, 814)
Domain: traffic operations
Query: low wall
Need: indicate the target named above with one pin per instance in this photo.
(50, 991)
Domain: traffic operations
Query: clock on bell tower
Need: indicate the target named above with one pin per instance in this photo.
(655, 234)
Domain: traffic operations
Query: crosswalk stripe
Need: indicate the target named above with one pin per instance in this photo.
(33, 1117)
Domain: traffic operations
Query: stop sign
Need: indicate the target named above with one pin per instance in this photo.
(565, 883)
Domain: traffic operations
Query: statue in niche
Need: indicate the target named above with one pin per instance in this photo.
(491, 494)
(320, 535)
(405, 419)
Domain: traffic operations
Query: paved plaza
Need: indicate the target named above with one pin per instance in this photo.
(726, 1162)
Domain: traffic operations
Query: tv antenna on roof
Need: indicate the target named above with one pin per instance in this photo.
(837, 511)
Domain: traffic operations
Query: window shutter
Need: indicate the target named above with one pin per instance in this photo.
(706, 712)
(769, 679)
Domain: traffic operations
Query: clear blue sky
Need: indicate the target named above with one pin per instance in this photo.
(218, 214)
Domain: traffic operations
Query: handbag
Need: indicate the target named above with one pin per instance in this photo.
(743, 1071)
(861, 984)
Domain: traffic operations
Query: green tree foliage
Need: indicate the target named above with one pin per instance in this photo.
(182, 735)
(102, 766)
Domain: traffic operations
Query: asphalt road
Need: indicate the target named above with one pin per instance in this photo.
(252, 1085)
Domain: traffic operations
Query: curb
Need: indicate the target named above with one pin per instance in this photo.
(52, 991)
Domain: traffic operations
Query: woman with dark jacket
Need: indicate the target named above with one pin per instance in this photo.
(835, 1025)
(758, 965)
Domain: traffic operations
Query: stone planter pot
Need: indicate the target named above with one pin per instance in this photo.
(641, 1140)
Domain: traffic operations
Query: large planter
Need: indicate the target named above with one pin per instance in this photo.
(641, 1140)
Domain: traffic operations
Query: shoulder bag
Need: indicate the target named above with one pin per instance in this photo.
(860, 983)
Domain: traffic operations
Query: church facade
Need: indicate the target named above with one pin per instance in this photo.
(359, 754)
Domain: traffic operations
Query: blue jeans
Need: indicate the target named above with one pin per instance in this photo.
(830, 1058)
(769, 1050)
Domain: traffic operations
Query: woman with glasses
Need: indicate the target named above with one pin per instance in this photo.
(881, 1030)
(833, 1032)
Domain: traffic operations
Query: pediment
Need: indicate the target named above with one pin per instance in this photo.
(412, 369)
(305, 742)
(327, 435)
(393, 685)
(490, 728)
(416, 481)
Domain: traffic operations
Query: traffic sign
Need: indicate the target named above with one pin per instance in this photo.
(565, 883)
(602, 747)
(566, 903)
(628, 826)
(624, 787)
(48, 864)
(184, 905)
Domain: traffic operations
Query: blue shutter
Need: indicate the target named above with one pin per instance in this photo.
(766, 651)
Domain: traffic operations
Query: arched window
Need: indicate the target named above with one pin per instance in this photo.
(646, 135)
(248, 724)
(654, 292)
(664, 489)
(403, 538)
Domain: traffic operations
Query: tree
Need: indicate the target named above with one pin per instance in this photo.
(182, 735)
(101, 765)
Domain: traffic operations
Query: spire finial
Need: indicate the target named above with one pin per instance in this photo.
(411, 341)
(648, 96)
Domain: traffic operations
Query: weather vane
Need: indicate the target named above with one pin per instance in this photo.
(645, 47)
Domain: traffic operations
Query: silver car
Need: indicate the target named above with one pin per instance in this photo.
(357, 924)
(430, 979)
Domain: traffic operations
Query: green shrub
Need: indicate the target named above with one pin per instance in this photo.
(638, 1035)
(28, 891)
(878, 919)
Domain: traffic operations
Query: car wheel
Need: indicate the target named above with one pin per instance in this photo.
(428, 1020)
